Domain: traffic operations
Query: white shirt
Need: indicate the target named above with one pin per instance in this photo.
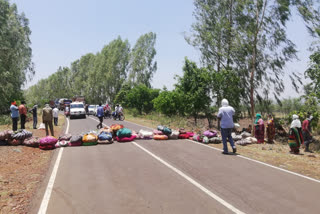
(55, 112)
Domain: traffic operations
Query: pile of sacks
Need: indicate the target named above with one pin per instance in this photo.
(243, 139)
(208, 136)
(14, 138)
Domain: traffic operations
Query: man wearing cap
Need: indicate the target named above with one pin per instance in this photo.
(23, 114)
(47, 117)
(225, 115)
(14, 115)
(306, 132)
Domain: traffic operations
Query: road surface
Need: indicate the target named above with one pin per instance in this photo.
(174, 176)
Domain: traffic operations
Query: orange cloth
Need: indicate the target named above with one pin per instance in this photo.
(22, 109)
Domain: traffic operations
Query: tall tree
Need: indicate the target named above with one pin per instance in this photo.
(142, 64)
(16, 66)
(249, 37)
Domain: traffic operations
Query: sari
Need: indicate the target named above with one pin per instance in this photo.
(259, 129)
(295, 140)
(270, 130)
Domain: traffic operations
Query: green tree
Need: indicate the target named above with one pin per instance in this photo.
(170, 103)
(142, 64)
(140, 97)
(195, 86)
(248, 37)
(16, 66)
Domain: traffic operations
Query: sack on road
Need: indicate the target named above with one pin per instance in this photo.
(210, 133)
(145, 134)
(124, 132)
(32, 142)
(125, 139)
(174, 135)
(42, 126)
(65, 137)
(160, 137)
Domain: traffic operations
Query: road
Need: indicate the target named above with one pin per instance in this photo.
(175, 176)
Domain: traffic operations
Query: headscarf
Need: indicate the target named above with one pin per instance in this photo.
(258, 116)
(224, 103)
(296, 123)
(310, 118)
(14, 103)
(47, 105)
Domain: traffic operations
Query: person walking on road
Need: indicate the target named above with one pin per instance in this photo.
(47, 119)
(270, 129)
(23, 114)
(55, 112)
(14, 115)
(259, 128)
(100, 115)
(295, 135)
(306, 131)
(35, 115)
(225, 116)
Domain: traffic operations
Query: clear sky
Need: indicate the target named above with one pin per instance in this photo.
(64, 30)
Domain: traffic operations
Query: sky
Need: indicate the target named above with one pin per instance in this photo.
(65, 30)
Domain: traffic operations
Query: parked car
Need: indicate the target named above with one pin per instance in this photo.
(77, 110)
(91, 109)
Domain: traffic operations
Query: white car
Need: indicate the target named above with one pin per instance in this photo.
(77, 110)
(91, 109)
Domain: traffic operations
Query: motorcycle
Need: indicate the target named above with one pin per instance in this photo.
(119, 116)
(107, 114)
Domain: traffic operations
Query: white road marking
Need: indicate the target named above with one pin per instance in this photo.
(260, 162)
(192, 181)
(256, 161)
(47, 194)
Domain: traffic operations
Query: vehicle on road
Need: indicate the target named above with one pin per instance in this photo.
(119, 116)
(91, 109)
(77, 110)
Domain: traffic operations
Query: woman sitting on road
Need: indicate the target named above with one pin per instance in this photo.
(259, 129)
(295, 135)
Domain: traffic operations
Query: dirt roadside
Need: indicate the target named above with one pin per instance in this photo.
(22, 171)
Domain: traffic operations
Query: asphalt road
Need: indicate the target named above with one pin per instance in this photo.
(174, 176)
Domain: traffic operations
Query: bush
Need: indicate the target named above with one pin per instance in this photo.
(5, 119)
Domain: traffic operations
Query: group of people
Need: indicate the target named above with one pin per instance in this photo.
(49, 116)
(102, 111)
(298, 134)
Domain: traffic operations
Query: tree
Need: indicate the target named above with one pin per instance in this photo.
(140, 97)
(16, 66)
(142, 64)
(249, 37)
(195, 86)
(170, 103)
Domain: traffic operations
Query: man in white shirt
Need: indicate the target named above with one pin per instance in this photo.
(55, 112)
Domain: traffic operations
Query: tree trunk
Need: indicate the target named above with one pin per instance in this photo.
(229, 34)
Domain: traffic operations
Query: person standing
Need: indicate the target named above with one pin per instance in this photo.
(47, 119)
(14, 115)
(295, 135)
(55, 112)
(259, 128)
(23, 114)
(225, 116)
(100, 115)
(306, 131)
(270, 129)
(35, 115)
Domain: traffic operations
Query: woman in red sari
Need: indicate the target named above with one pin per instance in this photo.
(270, 129)
(259, 129)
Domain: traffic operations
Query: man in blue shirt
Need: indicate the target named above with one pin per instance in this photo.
(14, 115)
(100, 114)
(225, 115)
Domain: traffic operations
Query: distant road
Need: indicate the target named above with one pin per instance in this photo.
(175, 176)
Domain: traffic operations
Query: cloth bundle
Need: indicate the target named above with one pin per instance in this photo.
(48, 142)
(105, 138)
(76, 140)
(32, 142)
(89, 139)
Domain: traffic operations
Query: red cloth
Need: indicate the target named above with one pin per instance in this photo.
(305, 125)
